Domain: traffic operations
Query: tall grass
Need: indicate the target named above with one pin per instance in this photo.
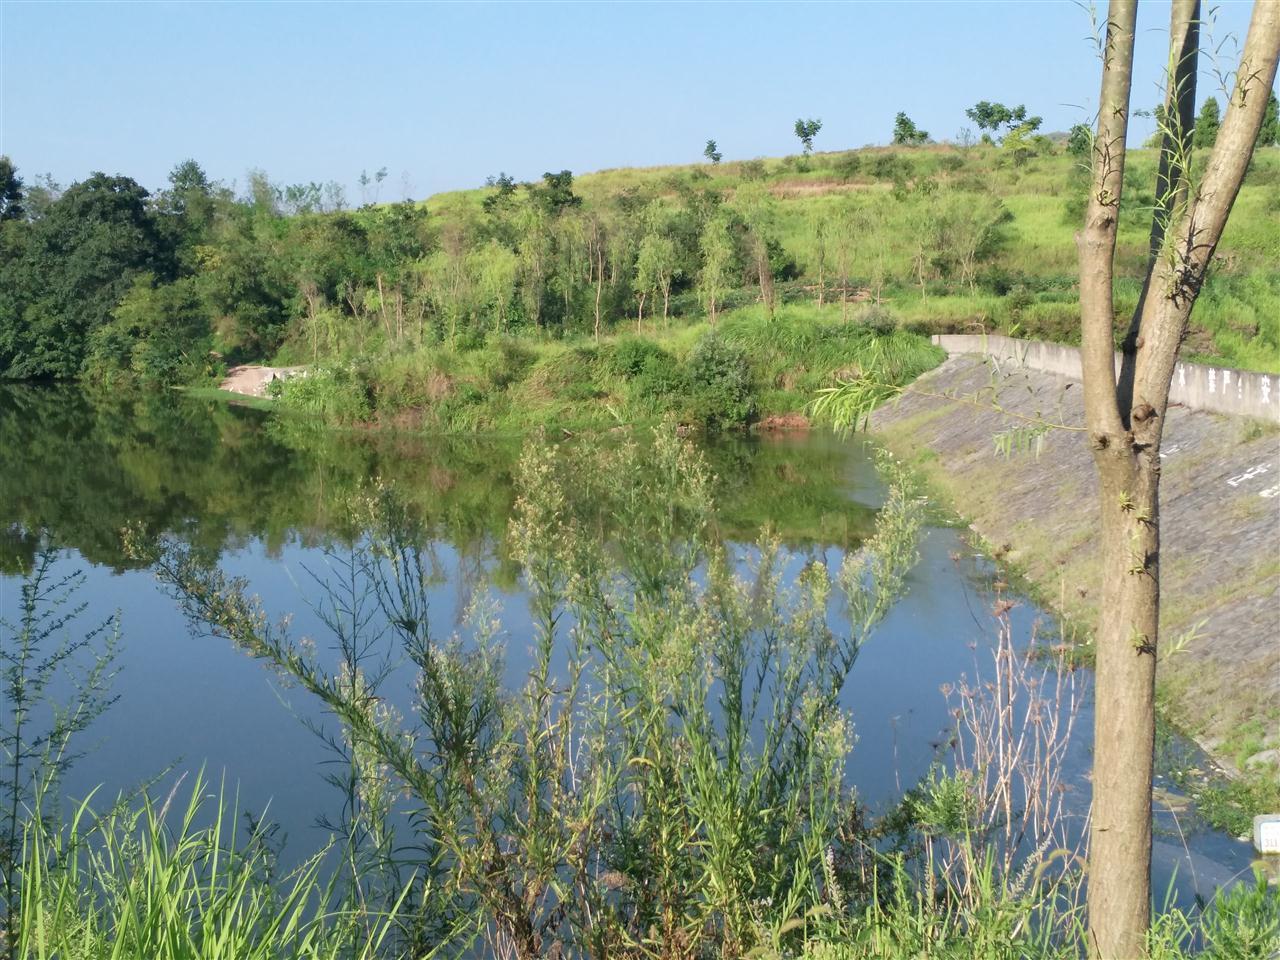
(511, 385)
(151, 882)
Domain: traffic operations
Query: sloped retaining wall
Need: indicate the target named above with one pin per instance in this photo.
(1219, 508)
(1196, 387)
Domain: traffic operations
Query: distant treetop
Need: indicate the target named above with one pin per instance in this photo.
(992, 117)
(906, 133)
(806, 130)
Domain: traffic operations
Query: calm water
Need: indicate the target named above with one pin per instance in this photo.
(266, 500)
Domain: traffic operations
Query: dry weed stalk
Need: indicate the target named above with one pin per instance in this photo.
(1013, 731)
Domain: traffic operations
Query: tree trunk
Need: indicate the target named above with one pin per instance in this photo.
(599, 285)
(765, 277)
(382, 306)
(1125, 422)
(822, 283)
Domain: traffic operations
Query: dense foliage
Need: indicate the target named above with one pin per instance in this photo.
(108, 281)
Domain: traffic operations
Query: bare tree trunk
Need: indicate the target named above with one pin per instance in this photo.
(599, 285)
(844, 290)
(640, 312)
(666, 299)
(382, 305)
(765, 277)
(1125, 423)
(312, 295)
(822, 280)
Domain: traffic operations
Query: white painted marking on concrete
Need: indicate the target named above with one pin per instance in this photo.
(1255, 471)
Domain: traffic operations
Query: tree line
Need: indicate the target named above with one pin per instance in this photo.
(106, 280)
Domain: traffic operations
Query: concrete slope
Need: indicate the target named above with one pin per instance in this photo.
(1220, 527)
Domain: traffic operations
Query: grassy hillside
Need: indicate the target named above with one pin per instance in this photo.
(893, 202)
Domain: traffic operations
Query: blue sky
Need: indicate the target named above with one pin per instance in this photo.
(443, 95)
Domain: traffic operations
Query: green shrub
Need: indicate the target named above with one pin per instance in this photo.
(1017, 301)
(878, 319)
(659, 378)
(637, 797)
(720, 383)
(338, 393)
(567, 374)
(505, 362)
(629, 355)
(888, 166)
(846, 166)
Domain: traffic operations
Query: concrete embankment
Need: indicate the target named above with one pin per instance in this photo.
(1220, 510)
(1195, 386)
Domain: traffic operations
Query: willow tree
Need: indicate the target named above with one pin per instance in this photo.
(1125, 415)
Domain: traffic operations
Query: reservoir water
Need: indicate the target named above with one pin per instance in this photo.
(266, 499)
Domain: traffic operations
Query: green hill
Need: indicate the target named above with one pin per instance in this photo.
(800, 262)
(911, 215)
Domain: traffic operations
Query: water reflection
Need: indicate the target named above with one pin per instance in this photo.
(268, 499)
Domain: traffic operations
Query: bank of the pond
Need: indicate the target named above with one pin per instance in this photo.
(744, 369)
(1220, 678)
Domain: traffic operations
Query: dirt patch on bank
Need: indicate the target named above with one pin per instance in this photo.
(253, 380)
(1220, 510)
(782, 423)
(790, 189)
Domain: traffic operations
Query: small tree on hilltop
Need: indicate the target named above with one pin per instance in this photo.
(1207, 124)
(505, 187)
(1000, 122)
(711, 152)
(906, 133)
(806, 130)
(1269, 134)
(1080, 141)
(11, 194)
(555, 193)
